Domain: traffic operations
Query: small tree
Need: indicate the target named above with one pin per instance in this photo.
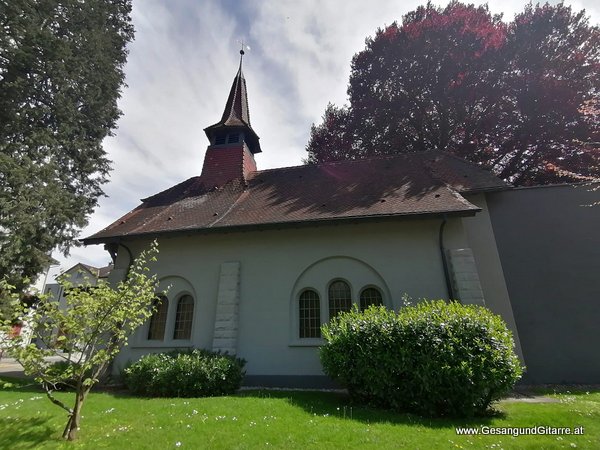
(91, 330)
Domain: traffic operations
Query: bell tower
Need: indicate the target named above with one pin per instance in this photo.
(233, 142)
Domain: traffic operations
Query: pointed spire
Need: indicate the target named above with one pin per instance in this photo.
(236, 109)
(236, 113)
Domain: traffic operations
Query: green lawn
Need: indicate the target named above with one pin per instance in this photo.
(279, 419)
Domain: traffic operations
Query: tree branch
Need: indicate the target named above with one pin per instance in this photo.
(56, 401)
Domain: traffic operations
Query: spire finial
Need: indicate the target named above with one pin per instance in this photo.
(242, 52)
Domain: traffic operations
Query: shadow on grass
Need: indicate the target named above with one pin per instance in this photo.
(340, 405)
(10, 384)
(26, 432)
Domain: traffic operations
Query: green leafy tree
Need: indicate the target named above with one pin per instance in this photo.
(87, 334)
(61, 73)
(519, 98)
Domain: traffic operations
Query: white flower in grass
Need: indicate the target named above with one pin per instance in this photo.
(177, 444)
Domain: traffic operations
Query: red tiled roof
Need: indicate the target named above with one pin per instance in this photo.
(413, 184)
(99, 272)
(104, 272)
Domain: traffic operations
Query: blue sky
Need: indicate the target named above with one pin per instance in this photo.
(182, 63)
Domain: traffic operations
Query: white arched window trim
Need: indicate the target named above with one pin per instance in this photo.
(140, 339)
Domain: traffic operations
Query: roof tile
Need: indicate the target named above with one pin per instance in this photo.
(411, 184)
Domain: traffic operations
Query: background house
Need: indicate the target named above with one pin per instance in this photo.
(79, 275)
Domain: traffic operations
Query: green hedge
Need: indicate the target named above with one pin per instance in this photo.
(195, 373)
(434, 359)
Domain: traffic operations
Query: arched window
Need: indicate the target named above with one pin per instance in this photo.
(158, 320)
(370, 296)
(309, 314)
(339, 298)
(183, 318)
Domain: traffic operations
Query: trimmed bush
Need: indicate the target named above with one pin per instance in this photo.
(433, 359)
(195, 373)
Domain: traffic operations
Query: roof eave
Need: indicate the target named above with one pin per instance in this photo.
(278, 225)
(485, 190)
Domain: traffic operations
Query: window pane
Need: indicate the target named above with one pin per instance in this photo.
(310, 315)
(370, 296)
(339, 298)
(183, 318)
(158, 320)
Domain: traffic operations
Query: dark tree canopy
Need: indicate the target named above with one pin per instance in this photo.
(553, 80)
(61, 73)
(520, 98)
(333, 134)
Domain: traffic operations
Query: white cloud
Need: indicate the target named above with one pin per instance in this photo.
(181, 66)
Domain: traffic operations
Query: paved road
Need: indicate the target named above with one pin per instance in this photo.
(9, 367)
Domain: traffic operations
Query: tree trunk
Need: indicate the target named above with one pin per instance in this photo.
(72, 427)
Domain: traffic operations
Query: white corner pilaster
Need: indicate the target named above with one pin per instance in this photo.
(465, 278)
(226, 316)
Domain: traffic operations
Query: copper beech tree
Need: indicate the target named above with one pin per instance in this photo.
(520, 98)
(87, 334)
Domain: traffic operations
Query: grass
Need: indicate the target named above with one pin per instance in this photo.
(279, 419)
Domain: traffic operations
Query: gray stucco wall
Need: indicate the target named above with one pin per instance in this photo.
(259, 320)
(397, 257)
(275, 266)
(549, 246)
(480, 235)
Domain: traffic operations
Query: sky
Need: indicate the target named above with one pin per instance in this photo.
(181, 66)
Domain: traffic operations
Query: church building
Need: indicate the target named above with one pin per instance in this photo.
(258, 260)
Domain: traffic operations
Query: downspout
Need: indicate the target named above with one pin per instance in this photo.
(449, 289)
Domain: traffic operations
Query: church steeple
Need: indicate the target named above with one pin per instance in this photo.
(235, 122)
(233, 142)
